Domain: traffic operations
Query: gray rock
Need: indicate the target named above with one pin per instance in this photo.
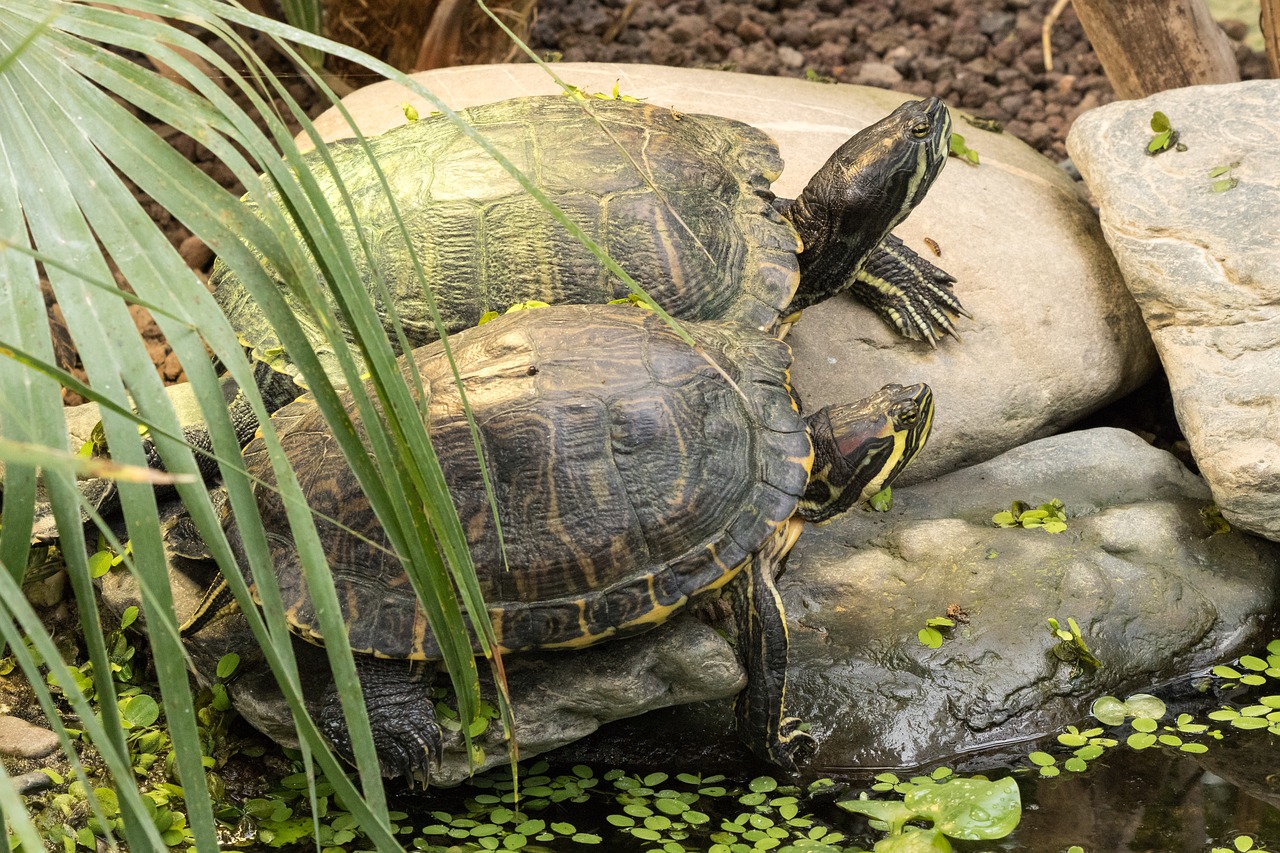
(1205, 268)
(878, 74)
(33, 782)
(1156, 595)
(557, 698)
(1055, 334)
(21, 739)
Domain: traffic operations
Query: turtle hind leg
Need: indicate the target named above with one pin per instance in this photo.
(397, 697)
(762, 648)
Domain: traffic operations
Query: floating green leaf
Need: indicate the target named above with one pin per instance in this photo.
(971, 809)
(914, 841)
(1140, 740)
(892, 813)
(1109, 710)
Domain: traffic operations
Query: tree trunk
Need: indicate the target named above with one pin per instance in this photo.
(1147, 46)
(1271, 34)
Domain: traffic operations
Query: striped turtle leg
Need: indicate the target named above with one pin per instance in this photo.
(909, 293)
(397, 694)
(762, 649)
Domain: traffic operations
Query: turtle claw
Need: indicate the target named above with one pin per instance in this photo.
(408, 745)
(793, 745)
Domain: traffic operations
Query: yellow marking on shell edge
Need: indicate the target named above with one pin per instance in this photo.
(805, 461)
(582, 641)
(583, 627)
(786, 381)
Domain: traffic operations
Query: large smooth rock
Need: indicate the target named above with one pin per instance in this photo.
(1205, 268)
(1156, 593)
(1055, 334)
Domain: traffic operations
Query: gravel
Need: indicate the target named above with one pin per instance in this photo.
(983, 56)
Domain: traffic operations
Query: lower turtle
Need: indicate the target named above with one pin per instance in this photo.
(633, 475)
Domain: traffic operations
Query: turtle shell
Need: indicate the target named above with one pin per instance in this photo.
(630, 476)
(681, 201)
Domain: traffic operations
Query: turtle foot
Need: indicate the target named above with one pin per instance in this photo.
(401, 719)
(792, 746)
(909, 293)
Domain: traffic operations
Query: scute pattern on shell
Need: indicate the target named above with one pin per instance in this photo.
(628, 473)
(681, 201)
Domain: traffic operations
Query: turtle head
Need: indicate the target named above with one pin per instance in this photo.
(860, 448)
(866, 188)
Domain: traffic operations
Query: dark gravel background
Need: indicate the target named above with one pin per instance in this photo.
(984, 56)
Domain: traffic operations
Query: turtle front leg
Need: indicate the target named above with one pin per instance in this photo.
(397, 695)
(909, 293)
(762, 648)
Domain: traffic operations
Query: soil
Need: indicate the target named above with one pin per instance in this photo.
(983, 56)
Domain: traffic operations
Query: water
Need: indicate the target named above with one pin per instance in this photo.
(1152, 800)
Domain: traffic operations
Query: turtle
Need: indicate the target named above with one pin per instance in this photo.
(681, 200)
(632, 477)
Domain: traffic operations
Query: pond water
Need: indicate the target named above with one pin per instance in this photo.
(1156, 800)
(1206, 783)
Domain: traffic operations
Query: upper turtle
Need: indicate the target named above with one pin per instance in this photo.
(681, 201)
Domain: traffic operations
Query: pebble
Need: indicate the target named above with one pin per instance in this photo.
(749, 31)
(790, 57)
(685, 28)
(195, 253)
(30, 783)
(879, 74)
(21, 739)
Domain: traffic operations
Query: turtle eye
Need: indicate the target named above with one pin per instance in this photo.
(908, 414)
(920, 129)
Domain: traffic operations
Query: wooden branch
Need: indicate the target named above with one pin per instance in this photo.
(443, 39)
(1147, 46)
(1271, 34)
